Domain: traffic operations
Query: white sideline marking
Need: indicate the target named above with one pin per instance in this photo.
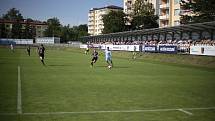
(122, 111)
(207, 108)
(19, 93)
(119, 111)
(186, 112)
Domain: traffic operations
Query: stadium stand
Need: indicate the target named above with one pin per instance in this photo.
(183, 36)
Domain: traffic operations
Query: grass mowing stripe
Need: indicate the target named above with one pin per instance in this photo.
(19, 93)
(8, 114)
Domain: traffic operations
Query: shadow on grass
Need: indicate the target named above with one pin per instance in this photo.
(60, 65)
(101, 66)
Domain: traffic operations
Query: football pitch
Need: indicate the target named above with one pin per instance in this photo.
(68, 89)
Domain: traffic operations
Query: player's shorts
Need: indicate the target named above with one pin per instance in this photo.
(41, 56)
(108, 59)
(95, 59)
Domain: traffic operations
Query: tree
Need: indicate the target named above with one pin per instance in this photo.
(30, 30)
(143, 15)
(66, 33)
(114, 21)
(82, 30)
(54, 28)
(3, 31)
(72, 34)
(16, 31)
(14, 15)
(201, 11)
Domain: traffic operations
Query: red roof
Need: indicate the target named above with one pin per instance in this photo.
(23, 22)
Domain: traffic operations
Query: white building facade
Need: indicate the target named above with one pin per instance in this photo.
(95, 23)
(169, 11)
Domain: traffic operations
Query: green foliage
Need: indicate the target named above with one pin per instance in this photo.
(80, 31)
(29, 31)
(66, 33)
(54, 28)
(16, 31)
(3, 31)
(202, 10)
(143, 16)
(143, 8)
(74, 33)
(114, 21)
(14, 15)
(144, 22)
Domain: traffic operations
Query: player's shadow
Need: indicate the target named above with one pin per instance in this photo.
(59, 65)
(101, 66)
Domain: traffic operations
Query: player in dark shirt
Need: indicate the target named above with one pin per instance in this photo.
(95, 57)
(29, 50)
(41, 53)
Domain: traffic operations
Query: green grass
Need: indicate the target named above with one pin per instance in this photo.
(68, 84)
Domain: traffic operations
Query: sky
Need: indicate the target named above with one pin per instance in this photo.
(73, 12)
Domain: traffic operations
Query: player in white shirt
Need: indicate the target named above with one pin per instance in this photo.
(11, 47)
(108, 57)
(134, 53)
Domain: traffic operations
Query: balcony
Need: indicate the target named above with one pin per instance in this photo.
(164, 5)
(185, 12)
(91, 23)
(164, 17)
(90, 15)
(91, 19)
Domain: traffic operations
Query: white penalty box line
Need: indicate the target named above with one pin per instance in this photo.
(183, 110)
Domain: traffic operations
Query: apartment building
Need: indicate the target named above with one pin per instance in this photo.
(169, 13)
(95, 23)
(40, 27)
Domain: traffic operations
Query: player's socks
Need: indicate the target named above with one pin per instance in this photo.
(42, 62)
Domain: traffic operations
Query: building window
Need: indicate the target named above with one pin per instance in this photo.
(176, 12)
(164, 2)
(176, 1)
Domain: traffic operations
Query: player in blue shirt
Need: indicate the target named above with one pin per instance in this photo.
(108, 57)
